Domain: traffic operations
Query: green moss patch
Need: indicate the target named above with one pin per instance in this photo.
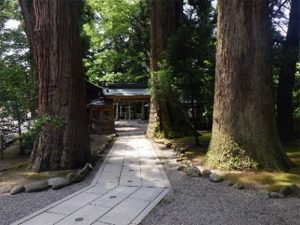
(14, 168)
(267, 180)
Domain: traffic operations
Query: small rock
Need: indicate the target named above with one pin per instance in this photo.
(5, 189)
(206, 173)
(17, 189)
(294, 188)
(193, 171)
(173, 146)
(168, 145)
(189, 163)
(85, 170)
(70, 177)
(110, 138)
(215, 178)
(162, 146)
(181, 167)
(182, 150)
(238, 186)
(37, 186)
(78, 178)
(285, 191)
(181, 159)
(58, 182)
(275, 195)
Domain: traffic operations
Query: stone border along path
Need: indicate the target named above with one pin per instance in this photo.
(128, 185)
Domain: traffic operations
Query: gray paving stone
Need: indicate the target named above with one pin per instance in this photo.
(131, 181)
(114, 197)
(125, 212)
(154, 183)
(45, 218)
(127, 187)
(100, 223)
(106, 179)
(146, 194)
(84, 216)
(100, 190)
(74, 203)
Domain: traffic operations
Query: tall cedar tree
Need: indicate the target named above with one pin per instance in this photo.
(54, 34)
(244, 134)
(165, 19)
(287, 74)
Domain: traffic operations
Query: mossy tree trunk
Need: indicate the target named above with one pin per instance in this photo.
(286, 84)
(55, 40)
(244, 134)
(164, 117)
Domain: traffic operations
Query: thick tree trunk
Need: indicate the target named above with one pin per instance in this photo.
(19, 129)
(165, 19)
(244, 134)
(63, 142)
(29, 19)
(163, 25)
(287, 75)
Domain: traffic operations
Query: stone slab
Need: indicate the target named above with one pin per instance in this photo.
(111, 199)
(114, 197)
(146, 194)
(74, 203)
(125, 212)
(45, 218)
(84, 216)
(100, 190)
(133, 180)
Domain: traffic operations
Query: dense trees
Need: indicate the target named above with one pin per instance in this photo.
(289, 58)
(244, 132)
(119, 39)
(62, 142)
(17, 86)
(119, 36)
(164, 22)
(180, 63)
(166, 116)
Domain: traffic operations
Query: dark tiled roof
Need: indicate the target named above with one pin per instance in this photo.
(126, 92)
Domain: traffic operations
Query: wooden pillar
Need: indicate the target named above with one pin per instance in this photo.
(117, 111)
(129, 112)
(143, 111)
(121, 111)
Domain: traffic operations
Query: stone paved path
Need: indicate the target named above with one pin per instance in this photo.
(130, 183)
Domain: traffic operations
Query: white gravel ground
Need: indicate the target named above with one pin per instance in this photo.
(14, 207)
(197, 201)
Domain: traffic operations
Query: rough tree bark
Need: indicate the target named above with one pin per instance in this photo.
(55, 40)
(244, 134)
(287, 75)
(165, 19)
(27, 11)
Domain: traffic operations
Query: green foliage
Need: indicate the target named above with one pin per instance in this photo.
(186, 72)
(119, 39)
(280, 19)
(37, 125)
(8, 11)
(17, 84)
